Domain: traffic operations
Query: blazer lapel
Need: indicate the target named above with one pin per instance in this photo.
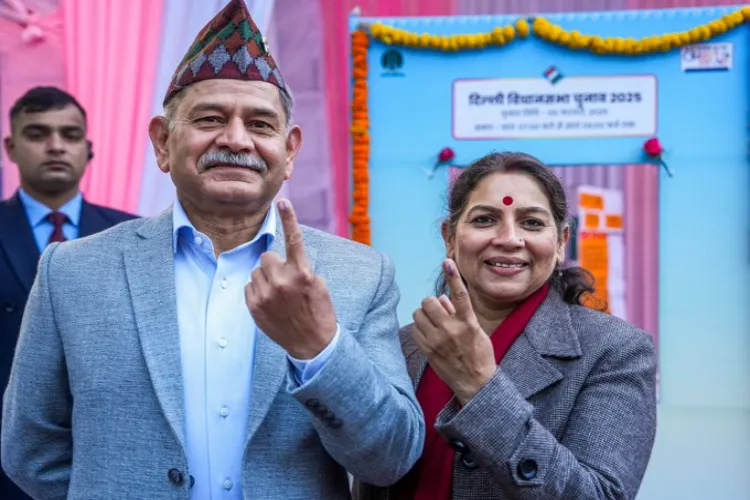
(91, 220)
(19, 244)
(550, 333)
(149, 266)
(270, 365)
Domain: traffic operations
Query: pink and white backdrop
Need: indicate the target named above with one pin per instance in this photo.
(116, 58)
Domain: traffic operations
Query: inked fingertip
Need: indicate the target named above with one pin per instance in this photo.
(449, 268)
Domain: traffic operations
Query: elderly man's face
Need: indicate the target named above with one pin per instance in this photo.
(229, 147)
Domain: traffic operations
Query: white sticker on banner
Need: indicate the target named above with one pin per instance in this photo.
(707, 57)
(538, 108)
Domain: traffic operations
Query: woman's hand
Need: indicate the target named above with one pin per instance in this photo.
(448, 333)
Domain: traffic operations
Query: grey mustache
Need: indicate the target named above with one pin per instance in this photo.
(213, 158)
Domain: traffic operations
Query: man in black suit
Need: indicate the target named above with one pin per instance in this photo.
(48, 143)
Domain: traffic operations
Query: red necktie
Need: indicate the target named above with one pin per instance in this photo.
(57, 219)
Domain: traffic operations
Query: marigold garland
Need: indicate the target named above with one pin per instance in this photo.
(359, 129)
(542, 28)
(553, 33)
(499, 36)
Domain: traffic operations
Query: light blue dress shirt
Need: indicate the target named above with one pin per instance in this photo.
(37, 213)
(217, 345)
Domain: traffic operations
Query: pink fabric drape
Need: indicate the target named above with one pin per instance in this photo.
(336, 43)
(111, 49)
(641, 219)
(27, 61)
(672, 4)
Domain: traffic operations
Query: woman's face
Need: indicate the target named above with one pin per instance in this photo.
(506, 244)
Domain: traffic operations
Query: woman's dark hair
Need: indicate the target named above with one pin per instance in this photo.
(573, 283)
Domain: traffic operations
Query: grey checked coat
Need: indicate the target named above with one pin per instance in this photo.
(570, 414)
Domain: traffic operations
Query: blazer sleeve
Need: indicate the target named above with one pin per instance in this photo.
(606, 445)
(361, 402)
(36, 425)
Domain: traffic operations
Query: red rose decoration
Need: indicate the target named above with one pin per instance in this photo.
(653, 148)
(446, 155)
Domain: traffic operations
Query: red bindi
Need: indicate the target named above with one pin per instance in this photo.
(507, 200)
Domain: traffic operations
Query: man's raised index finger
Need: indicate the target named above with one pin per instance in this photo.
(295, 245)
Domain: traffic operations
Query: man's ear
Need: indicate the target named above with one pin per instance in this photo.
(293, 145)
(9, 148)
(158, 131)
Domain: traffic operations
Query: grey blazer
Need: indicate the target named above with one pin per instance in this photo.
(94, 408)
(570, 414)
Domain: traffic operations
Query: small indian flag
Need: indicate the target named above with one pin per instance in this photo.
(552, 75)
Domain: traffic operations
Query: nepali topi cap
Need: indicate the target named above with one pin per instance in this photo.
(229, 46)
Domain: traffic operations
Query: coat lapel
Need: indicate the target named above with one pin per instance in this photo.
(149, 266)
(270, 366)
(549, 334)
(91, 221)
(19, 245)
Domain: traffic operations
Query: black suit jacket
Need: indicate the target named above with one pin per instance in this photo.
(19, 256)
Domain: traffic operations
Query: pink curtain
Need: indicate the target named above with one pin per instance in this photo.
(30, 54)
(641, 189)
(535, 6)
(336, 44)
(672, 4)
(111, 48)
(296, 37)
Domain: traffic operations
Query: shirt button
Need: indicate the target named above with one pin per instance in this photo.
(198, 240)
(224, 411)
(223, 342)
(228, 484)
(224, 284)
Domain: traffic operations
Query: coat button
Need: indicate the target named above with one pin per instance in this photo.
(175, 477)
(527, 469)
(468, 462)
(9, 308)
(313, 404)
(336, 424)
(459, 447)
(192, 480)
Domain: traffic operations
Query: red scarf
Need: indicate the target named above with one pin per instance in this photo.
(432, 477)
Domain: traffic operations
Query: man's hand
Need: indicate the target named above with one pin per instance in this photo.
(289, 303)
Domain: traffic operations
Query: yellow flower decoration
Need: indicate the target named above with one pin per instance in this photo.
(546, 30)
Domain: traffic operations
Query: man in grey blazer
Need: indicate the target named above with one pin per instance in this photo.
(218, 350)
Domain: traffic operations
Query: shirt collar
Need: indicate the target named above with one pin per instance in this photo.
(181, 223)
(37, 211)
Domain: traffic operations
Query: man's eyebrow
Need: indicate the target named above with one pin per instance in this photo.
(251, 110)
